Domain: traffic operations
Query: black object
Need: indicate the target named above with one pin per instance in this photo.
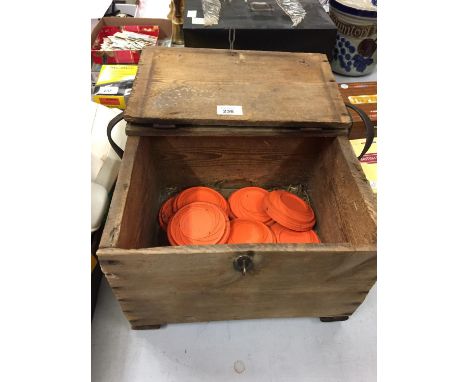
(263, 26)
(334, 319)
(243, 263)
(369, 128)
(96, 273)
(110, 126)
(113, 11)
(96, 276)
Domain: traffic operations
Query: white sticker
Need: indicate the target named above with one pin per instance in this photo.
(191, 13)
(198, 20)
(344, 86)
(108, 90)
(229, 110)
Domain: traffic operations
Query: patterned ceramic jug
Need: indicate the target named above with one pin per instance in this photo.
(355, 52)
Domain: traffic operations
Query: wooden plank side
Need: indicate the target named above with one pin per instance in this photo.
(364, 206)
(240, 131)
(112, 227)
(236, 161)
(192, 284)
(185, 86)
(139, 225)
(344, 195)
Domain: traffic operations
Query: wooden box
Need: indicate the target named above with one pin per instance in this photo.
(157, 284)
(109, 25)
(296, 137)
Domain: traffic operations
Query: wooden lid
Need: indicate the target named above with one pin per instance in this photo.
(217, 87)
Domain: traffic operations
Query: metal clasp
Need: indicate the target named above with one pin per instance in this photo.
(243, 263)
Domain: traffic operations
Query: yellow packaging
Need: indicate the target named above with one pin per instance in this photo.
(114, 85)
(368, 161)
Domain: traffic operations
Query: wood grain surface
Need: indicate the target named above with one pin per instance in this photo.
(157, 284)
(223, 131)
(343, 196)
(111, 231)
(191, 284)
(185, 86)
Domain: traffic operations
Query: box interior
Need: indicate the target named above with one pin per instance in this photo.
(165, 165)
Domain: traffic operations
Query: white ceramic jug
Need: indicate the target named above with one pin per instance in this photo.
(355, 52)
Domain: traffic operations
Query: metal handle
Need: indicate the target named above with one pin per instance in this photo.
(369, 127)
(243, 263)
(110, 126)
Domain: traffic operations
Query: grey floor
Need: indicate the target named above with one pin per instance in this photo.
(298, 349)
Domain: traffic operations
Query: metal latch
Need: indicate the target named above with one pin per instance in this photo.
(243, 264)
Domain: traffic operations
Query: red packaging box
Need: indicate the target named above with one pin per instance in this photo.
(107, 26)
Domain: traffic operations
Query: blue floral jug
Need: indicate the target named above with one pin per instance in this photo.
(355, 52)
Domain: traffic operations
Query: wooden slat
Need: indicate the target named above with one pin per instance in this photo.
(184, 86)
(236, 161)
(191, 284)
(348, 205)
(111, 231)
(218, 131)
(126, 225)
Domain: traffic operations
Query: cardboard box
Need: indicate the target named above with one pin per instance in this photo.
(368, 161)
(161, 28)
(114, 85)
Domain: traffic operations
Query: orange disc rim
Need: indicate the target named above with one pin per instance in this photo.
(284, 219)
(201, 194)
(248, 203)
(292, 206)
(166, 212)
(285, 235)
(194, 230)
(227, 232)
(169, 235)
(198, 223)
(244, 231)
